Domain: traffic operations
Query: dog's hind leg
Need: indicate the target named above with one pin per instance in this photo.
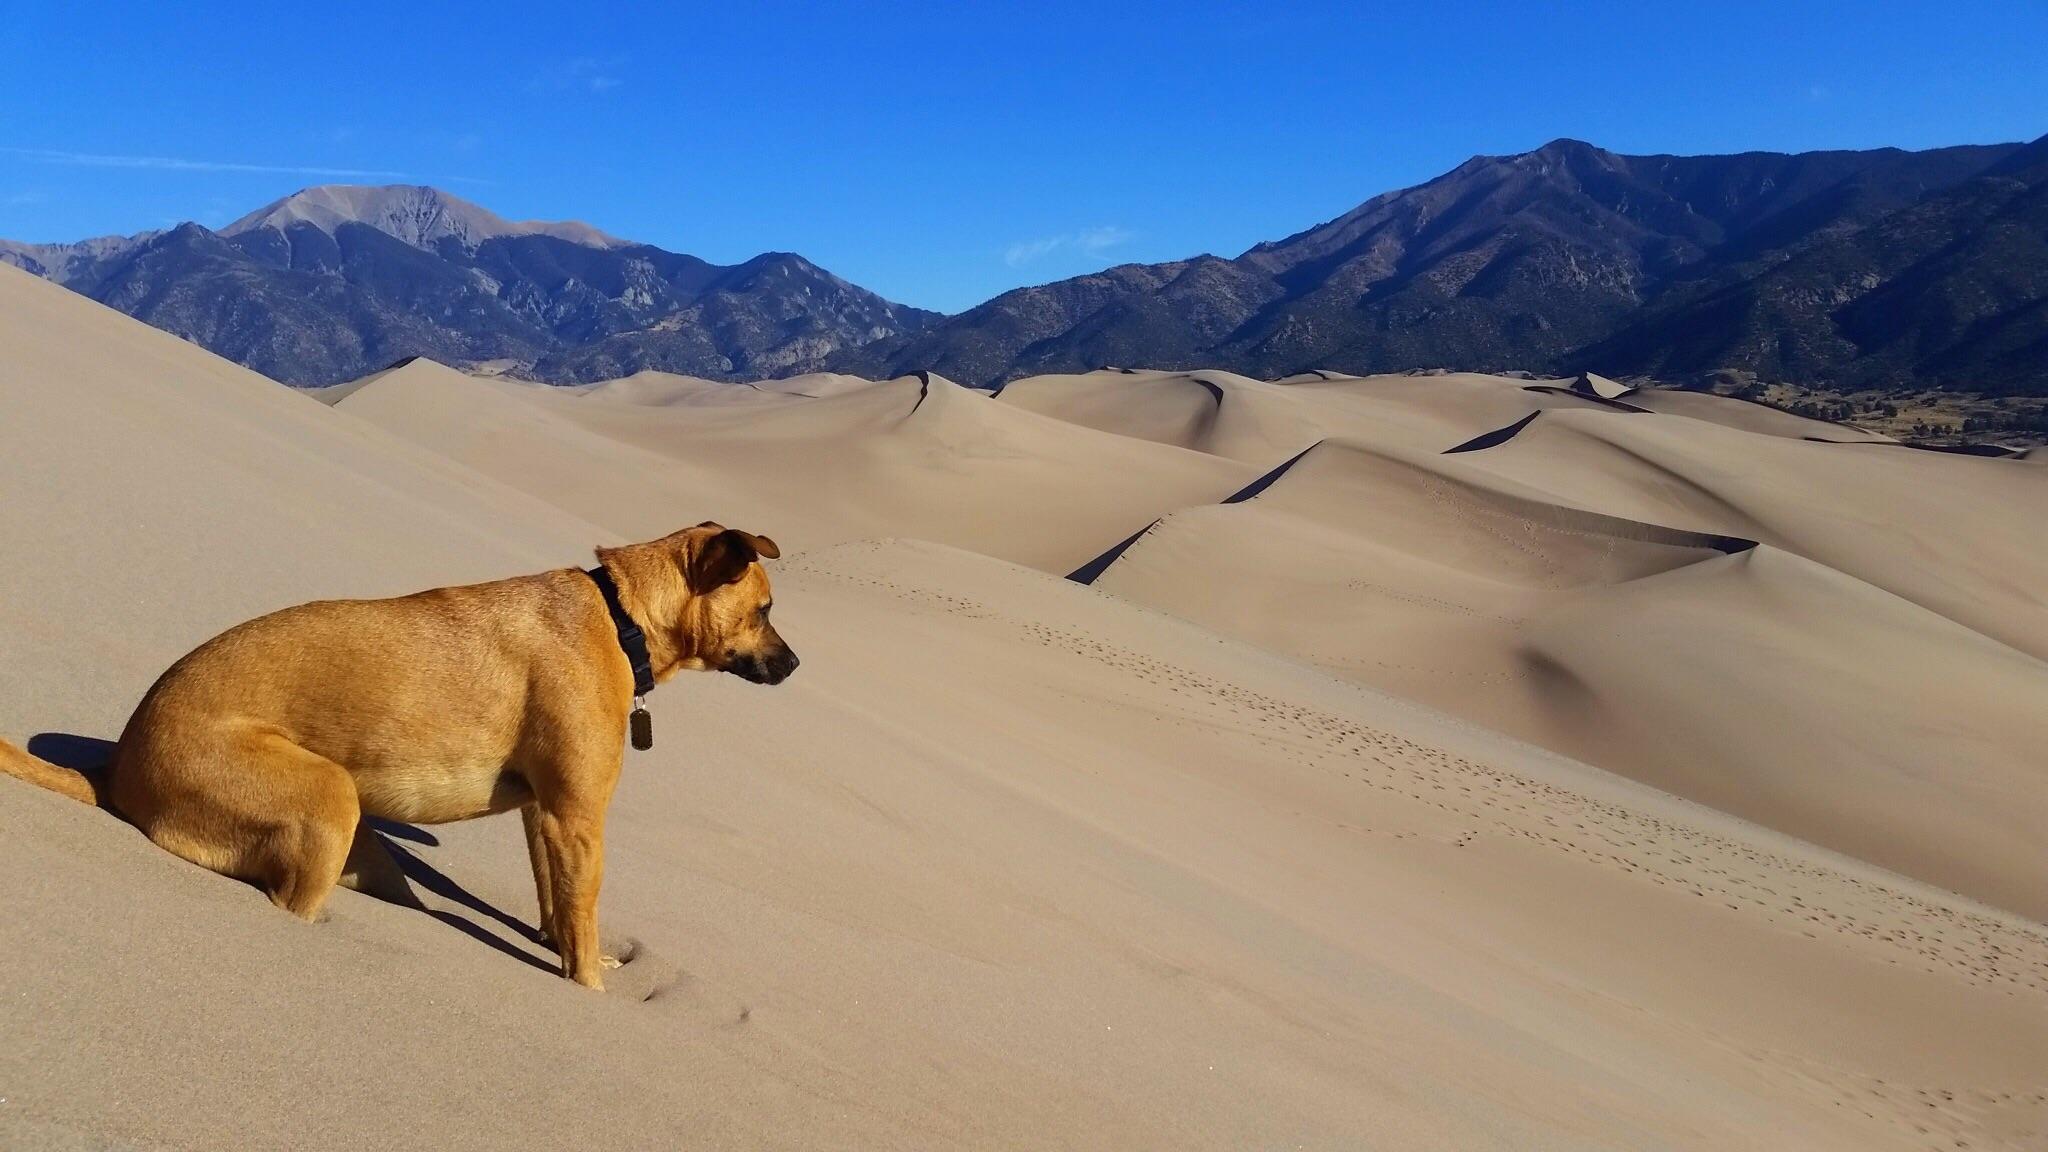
(285, 818)
(317, 799)
(544, 885)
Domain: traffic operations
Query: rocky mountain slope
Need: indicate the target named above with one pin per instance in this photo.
(333, 282)
(1572, 257)
(1950, 291)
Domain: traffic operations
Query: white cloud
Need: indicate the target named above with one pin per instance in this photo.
(184, 164)
(1088, 242)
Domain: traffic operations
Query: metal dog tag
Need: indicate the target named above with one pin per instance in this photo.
(641, 725)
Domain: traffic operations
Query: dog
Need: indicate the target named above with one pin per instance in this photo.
(258, 754)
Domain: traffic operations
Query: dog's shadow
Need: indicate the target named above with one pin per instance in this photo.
(87, 754)
(91, 756)
(418, 871)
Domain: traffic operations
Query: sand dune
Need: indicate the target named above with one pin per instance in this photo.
(1750, 417)
(157, 494)
(1868, 680)
(1750, 679)
(1215, 412)
(667, 388)
(1012, 862)
(1959, 535)
(1263, 423)
(899, 457)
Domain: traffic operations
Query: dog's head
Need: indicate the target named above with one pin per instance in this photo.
(732, 599)
(726, 621)
(703, 599)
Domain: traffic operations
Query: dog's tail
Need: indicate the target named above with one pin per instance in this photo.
(36, 770)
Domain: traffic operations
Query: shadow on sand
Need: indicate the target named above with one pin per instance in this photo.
(87, 754)
(419, 872)
(91, 755)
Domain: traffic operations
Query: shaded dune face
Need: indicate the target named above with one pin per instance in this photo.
(1736, 615)
(1957, 535)
(1319, 820)
(1478, 523)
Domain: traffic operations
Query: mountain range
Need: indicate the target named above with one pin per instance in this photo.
(1880, 268)
(334, 282)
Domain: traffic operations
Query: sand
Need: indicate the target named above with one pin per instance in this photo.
(909, 457)
(1016, 862)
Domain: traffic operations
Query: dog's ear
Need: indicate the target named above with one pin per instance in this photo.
(719, 560)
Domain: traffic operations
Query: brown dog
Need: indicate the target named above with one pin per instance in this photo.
(258, 754)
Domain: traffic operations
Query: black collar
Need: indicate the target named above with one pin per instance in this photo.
(632, 641)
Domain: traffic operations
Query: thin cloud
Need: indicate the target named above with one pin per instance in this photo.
(585, 72)
(185, 164)
(1028, 251)
(1088, 242)
(1093, 240)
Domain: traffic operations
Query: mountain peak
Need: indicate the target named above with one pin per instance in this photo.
(1565, 150)
(1565, 145)
(418, 215)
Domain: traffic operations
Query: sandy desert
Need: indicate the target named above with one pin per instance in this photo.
(1179, 760)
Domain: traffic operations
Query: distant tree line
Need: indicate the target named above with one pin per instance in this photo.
(2029, 422)
(1815, 409)
(2034, 422)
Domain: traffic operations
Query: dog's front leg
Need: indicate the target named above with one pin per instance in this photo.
(572, 836)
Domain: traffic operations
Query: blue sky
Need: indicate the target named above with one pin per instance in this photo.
(940, 154)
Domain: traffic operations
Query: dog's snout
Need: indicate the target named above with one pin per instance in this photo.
(771, 668)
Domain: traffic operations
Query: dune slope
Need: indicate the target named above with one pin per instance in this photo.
(1158, 892)
(1010, 863)
(907, 456)
(157, 494)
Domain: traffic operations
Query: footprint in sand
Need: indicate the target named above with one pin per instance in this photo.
(636, 973)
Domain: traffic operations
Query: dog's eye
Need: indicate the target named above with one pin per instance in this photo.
(764, 610)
